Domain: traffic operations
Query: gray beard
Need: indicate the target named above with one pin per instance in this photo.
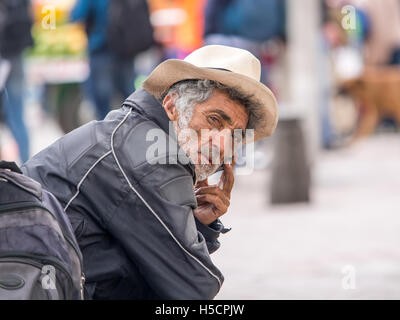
(203, 171)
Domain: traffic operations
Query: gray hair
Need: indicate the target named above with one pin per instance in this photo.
(192, 92)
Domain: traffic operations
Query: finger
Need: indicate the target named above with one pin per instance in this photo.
(234, 159)
(204, 200)
(200, 201)
(221, 181)
(228, 179)
(214, 200)
(200, 184)
(232, 162)
(209, 189)
(213, 190)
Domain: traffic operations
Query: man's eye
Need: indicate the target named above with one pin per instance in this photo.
(214, 120)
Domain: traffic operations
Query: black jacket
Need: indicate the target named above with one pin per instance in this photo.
(133, 220)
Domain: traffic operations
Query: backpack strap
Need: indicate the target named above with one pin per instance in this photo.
(10, 165)
(16, 177)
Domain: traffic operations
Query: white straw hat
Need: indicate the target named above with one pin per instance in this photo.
(233, 67)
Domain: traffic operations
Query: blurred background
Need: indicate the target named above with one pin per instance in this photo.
(319, 216)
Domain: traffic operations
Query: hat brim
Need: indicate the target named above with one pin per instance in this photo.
(171, 71)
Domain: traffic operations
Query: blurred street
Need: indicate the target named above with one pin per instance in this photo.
(299, 251)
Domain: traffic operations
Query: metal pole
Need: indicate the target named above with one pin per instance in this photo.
(296, 141)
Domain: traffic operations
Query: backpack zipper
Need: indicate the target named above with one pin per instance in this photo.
(33, 205)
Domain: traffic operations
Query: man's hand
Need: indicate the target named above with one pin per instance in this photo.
(213, 201)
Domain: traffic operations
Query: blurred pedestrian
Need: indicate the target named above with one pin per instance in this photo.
(245, 24)
(117, 31)
(15, 36)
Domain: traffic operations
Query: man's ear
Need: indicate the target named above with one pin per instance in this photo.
(169, 107)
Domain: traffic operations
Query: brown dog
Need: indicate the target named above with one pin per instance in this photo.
(377, 94)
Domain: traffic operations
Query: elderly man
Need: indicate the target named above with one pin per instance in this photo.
(147, 222)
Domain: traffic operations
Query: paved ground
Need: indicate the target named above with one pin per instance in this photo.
(352, 228)
(347, 238)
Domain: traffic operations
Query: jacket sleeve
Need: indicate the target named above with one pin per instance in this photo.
(211, 233)
(156, 227)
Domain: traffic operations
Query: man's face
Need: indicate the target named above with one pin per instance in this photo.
(208, 138)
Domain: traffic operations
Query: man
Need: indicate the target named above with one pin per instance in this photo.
(108, 74)
(112, 62)
(143, 230)
(15, 36)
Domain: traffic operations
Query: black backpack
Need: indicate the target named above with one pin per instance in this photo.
(129, 29)
(39, 256)
(15, 27)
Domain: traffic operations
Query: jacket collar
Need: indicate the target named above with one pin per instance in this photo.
(145, 103)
